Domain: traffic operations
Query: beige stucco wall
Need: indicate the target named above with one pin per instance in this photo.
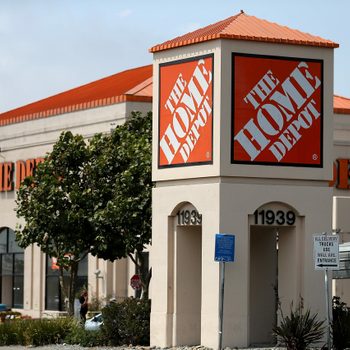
(226, 207)
(227, 195)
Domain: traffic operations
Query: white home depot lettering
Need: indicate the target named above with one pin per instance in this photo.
(190, 108)
(283, 112)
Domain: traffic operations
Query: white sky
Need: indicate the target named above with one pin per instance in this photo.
(49, 46)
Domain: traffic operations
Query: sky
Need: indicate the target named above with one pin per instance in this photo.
(49, 46)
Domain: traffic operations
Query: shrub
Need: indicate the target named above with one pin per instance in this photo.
(47, 331)
(34, 332)
(340, 324)
(12, 333)
(127, 322)
(79, 335)
(300, 329)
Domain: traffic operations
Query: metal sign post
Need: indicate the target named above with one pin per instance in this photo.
(326, 257)
(224, 252)
(221, 309)
(329, 317)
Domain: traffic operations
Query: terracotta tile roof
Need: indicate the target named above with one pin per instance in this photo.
(341, 105)
(245, 27)
(130, 85)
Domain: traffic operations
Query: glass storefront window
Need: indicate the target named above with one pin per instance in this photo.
(54, 298)
(19, 264)
(3, 242)
(6, 264)
(13, 247)
(52, 293)
(11, 269)
(18, 291)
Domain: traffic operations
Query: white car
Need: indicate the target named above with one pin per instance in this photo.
(94, 323)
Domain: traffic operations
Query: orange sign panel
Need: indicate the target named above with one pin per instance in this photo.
(277, 109)
(186, 112)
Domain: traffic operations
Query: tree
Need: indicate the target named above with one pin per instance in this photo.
(91, 198)
(122, 168)
(57, 205)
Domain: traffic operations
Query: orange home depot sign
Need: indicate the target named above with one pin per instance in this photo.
(12, 174)
(186, 112)
(277, 110)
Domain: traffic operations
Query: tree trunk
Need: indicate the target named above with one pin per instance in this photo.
(68, 288)
(64, 287)
(145, 287)
(72, 286)
(145, 278)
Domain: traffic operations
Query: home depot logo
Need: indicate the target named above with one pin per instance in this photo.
(185, 112)
(277, 111)
(12, 174)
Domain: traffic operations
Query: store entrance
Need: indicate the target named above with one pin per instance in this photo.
(188, 285)
(185, 276)
(263, 284)
(273, 278)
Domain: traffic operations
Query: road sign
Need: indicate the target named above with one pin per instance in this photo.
(135, 282)
(326, 252)
(224, 252)
(224, 247)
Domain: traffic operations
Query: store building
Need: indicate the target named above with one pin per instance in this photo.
(29, 279)
(249, 139)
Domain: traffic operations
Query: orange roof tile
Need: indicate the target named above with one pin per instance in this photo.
(245, 27)
(130, 85)
(341, 105)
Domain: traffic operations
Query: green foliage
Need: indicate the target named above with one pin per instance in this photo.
(127, 322)
(299, 329)
(12, 333)
(122, 172)
(79, 335)
(35, 332)
(57, 205)
(341, 324)
(90, 198)
(56, 202)
(47, 331)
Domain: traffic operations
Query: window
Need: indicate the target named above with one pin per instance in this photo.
(11, 269)
(54, 298)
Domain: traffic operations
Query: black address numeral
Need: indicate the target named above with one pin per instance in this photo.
(270, 217)
(189, 217)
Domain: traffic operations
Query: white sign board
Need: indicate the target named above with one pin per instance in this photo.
(326, 252)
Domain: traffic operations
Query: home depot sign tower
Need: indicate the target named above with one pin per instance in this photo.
(242, 145)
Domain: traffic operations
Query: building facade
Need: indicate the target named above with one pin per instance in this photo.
(248, 139)
(29, 279)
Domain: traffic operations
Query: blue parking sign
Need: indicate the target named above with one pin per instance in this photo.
(224, 247)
